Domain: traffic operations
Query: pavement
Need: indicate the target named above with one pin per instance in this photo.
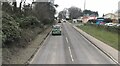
(69, 48)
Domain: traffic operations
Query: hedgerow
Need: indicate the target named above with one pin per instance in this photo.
(10, 29)
(29, 22)
(114, 29)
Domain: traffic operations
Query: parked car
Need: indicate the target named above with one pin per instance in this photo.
(74, 20)
(110, 24)
(64, 20)
(56, 30)
(100, 21)
(118, 25)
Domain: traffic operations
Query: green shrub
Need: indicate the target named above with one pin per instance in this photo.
(10, 29)
(46, 21)
(114, 29)
(29, 22)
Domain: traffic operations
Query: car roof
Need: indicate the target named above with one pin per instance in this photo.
(56, 25)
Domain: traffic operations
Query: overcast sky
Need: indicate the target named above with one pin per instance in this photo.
(102, 6)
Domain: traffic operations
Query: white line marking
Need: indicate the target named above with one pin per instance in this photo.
(36, 54)
(67, 39)
(71, 54)
(86, 39)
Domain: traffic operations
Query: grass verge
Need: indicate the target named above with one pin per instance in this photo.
(107, 37)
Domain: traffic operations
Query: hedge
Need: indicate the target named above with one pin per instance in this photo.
(114, 29)
(12, 28)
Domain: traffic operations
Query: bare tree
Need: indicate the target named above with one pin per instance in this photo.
(20, 6)
(14, 6)
(6, 7)
(44, 11)
(74, 12)
(62, 14)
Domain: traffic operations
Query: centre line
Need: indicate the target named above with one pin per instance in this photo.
(67, 39)
(71, 54)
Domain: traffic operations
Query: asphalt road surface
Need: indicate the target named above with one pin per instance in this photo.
(69, 48)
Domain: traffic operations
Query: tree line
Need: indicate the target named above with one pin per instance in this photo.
(75, 12)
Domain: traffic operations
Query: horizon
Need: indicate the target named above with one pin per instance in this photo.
(96, 6)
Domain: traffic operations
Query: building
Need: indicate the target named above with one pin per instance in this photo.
(85, 19)
(112, 16)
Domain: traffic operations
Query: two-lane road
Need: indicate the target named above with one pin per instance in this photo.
(69, 48)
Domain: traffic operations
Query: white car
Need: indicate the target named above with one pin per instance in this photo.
(64, 20)
(110, 24)
(74, 20)
(118, 25)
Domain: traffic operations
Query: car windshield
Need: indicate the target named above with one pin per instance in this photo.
(56, 27)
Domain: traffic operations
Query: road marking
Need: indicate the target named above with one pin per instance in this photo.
(86, 39)
(36, 54)
(67, 39)
(71, 54)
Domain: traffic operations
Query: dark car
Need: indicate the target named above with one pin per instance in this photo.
(56, 30)
(59, 21)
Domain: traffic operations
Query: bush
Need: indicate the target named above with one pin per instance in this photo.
(114, 29)
(47, 21)
(10, 29)
(29, 22)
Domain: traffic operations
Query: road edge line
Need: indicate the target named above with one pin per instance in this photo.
(37, 49)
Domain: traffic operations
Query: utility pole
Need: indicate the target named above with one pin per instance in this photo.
(84, 4)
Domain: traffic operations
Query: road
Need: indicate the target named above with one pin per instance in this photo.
(69, 48)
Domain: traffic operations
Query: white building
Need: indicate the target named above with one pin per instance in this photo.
(111, 16)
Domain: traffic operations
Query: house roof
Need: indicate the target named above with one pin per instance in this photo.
(110, 14)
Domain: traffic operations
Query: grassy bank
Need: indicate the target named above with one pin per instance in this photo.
(17, 33)
(107, 37)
